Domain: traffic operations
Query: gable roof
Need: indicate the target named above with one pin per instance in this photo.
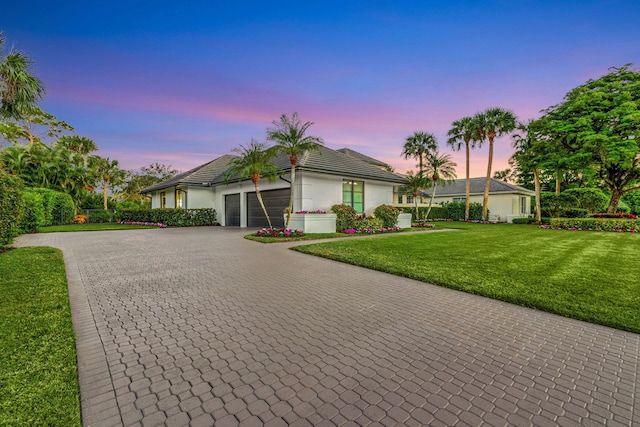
(202, 175)
(457, 188)
(362, 157)
(326, 161)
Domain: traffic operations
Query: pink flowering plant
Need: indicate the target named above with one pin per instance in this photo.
(150, 224)
(616, 225)
(279, 232)
(318, 211)
(378, 230)
(422, 224)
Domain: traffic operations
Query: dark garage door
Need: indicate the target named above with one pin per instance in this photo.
(232, 210)
(276, 201)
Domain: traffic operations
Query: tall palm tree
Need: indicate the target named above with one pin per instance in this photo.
(107, 172)
(493, 123)
(253, 162)
(440, 168)
(415, 183)
(19, 89)
(289, 134)
(464, 131)
(418, 145)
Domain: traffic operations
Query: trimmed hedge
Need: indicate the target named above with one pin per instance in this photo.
(387, 214)
(524, 220)
(345, 217)
(98, 216)
(455, 211)
(33, 212)
(169, 217)
(58, 207)
(10, 207)
(604, 224)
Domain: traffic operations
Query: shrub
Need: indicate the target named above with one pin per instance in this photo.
(632, 200)
(589, 199)
(33, 211)
(620, 215)
(555, 205)
(440, 212)
(98, 216)
(622, 207)
(576, 213)
(524, 220)
(10, 206)
(455, 211)
(62, 208)
(598, 224)
(370, 223)
(48, 197)
(387, 214)
(345, 216)
(169, 217)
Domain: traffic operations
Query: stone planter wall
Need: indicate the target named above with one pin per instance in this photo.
(313, 223)
(404, 220)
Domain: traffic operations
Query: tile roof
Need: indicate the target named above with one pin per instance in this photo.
(206, 173)
(349, 152)
(457, 188)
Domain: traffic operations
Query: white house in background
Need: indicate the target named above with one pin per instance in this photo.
(323, 178)
(506, 201)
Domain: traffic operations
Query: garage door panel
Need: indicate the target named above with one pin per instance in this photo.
(275, 201)
(232, 210)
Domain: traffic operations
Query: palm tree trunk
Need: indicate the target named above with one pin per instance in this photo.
(558, 181)
(105, 185)
(487, 185)
(467, 201)
(433, 195)
(536, 183)
(415, 202)
(264, 209)
(293, 184)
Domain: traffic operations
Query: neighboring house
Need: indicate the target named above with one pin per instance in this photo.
(323, 179)
(506, 201)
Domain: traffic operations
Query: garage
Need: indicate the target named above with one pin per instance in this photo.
(232, 210)
(275, 201)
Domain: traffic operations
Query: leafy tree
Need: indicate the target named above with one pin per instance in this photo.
(146, 176)
(290, 137)
(19, 89)
(464, 131)
(253, 162)
(108, 173)
(418, 145)
(415, 183)
(492, 123)
(441, 169)
(530, 154)
(77, 144)
(599, 126)
(34, 126)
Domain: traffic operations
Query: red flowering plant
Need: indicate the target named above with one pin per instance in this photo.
(620, 215)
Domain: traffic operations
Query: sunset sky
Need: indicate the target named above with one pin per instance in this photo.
(182, 83)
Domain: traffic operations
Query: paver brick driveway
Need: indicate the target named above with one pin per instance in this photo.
(200, 327)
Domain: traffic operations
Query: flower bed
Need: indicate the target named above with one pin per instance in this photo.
(595, 224)
(422, 224)
(279, 232)
(615, 230)
(371, 230)
(150, 224)
(310, 212)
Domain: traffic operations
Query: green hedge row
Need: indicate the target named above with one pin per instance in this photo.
(448, 210)
(10, 207)
(169, 217)
(43, 207)
(604, 224)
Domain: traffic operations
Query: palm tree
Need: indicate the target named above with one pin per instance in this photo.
(19, 89)
(254, 162)
(418, 145)
(464, 131)
(415, 183)
(289, 136)
(492, 123)
(441, 169)
(108, 173)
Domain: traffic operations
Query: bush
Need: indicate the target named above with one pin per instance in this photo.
(169, 217)
(620, 215)
(632, 200)
(370, 223)
(345, 216)
(603, 224)
(387, 214)
(10, 206)
(62, 208)
(524, 220)
(622, 207)
(576, 213)
(99, 216)
(48, 197)
(33, 211)
(455, 211)
(589, 199)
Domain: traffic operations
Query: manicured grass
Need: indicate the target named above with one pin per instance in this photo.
(592, 276)
(90, 227)
(38, 371)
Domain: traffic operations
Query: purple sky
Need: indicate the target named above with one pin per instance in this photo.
(182, 83)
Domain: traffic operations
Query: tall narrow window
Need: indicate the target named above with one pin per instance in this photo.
(179, 199)
(163, 200)
(523, 205)
(353, 195)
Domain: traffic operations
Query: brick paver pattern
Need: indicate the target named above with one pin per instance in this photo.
(200, 327)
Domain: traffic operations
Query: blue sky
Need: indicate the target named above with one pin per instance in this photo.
(183, 83)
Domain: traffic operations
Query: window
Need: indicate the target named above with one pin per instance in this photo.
(353, 195)
(409, 198)
(163, 200)
(179, 199)
(460, 200)
(523, 205)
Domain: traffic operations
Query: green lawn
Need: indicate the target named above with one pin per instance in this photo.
(38, 371)
(90, 227)
(592, 276)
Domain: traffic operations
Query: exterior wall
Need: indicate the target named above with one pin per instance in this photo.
(377, 193)
(199, 198)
